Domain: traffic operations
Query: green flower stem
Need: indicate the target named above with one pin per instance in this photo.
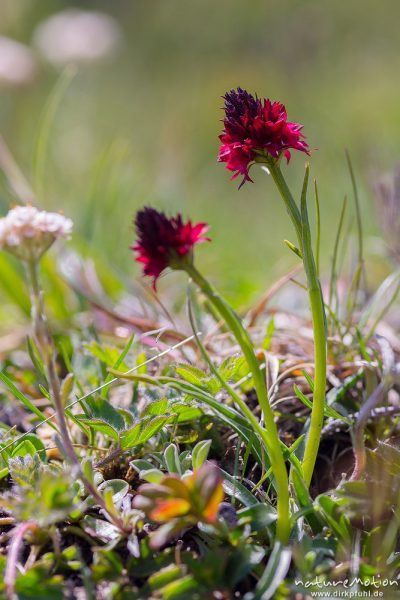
(44, 342)
(46, 348)
(291, 206)
(300, 222)
(270, 435)
(257, 428)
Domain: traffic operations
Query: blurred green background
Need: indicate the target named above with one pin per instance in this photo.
(141, 125)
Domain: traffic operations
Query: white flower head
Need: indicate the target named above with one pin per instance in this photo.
(28, 232)
(17, 63)
(77, 36)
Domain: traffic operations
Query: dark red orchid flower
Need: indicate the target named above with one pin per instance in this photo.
(163, 242)
(255, 128)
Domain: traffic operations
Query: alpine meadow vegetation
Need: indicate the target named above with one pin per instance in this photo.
(160, 447)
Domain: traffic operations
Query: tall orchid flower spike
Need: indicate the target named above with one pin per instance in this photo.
(257, 131)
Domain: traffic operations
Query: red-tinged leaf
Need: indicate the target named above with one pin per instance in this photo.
(211, 510)
(169, 509)
(178, 488)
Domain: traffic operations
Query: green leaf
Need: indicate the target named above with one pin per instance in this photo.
(260, 516)
(102, 427)
(109, 355)
(181, 589)
(337, 394)
(152, 427)
(234, 368)
(46, 121)
(12, 284)
(200, 453)
(66, 388)
(275, 572)
(24, 448)
(118, 363)
(189, 415)
(159, 407)
(38, 584)
(328, 411)
(305, 502)
(129, 437)
(118, 487)
(141, 465)
(141, 364)
(233, 487)
(337, 521)
(142, 432)
(269, 334)
(22, 398)
(228, 415)
(293, 248)
(334, 275)
(164, 576)
(192, 375)
(152, 475)
(309, 379)
(317, 227)
(101, 410)
(87, 469)
(36, 360)
(241, 562)
(34, 446)
(103, 530)
(171, 459)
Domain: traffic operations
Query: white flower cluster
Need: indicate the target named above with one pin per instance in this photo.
(77, 36)
(17, 63)
(28, 232)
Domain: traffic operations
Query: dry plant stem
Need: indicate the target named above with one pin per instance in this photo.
(14, 175)
(109, 458)
(45, 345)
(13, 554)
(272, 438)
(255, 312)
(318, 318)
(6, 521)
(358, 441)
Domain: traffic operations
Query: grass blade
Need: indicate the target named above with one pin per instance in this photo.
(45, 124)
(275, 572)
(333, 277)
(317, 227)
(22, 398)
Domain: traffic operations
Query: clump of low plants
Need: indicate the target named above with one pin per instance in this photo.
(254, 455)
